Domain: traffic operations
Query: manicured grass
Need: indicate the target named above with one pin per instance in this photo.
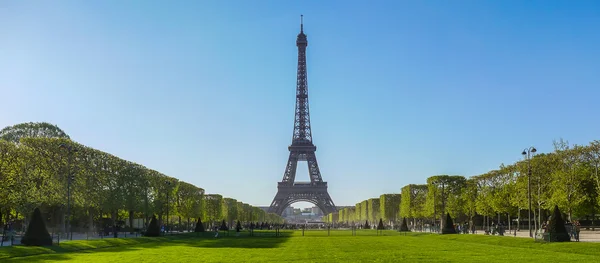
(314, 246)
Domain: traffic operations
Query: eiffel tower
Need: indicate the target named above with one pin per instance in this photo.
(302, 149)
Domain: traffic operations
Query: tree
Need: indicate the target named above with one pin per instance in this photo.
(364, 210)
(153, 228)
(358, 212)
(232, 210)
(389, 206)
(238, 226)
(374, 209)
(448, 225)
(412, 203)
(380, 226)
(568, 177)
(199, 226)
(31, 129)
(37, 234)
(214, 207)
(444, 194)
(557, 232)
(469, 198)
(367, 226)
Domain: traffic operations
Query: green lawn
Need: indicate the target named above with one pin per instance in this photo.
(314, 246)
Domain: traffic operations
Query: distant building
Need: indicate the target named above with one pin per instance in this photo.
(316, 210)
(288, 211)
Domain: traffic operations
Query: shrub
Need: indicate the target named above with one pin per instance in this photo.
(557, 232)
(380, 226)
(153, 228)
(223, 226)
(238, 226)
(199, 226)
(367, 226)
(404, 226)
(37, 234)
(448, 225)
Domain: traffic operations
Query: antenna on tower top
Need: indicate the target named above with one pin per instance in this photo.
(301, 23)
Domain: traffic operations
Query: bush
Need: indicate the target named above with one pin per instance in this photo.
(37, 234)
(153, 228)
(223, 226)
(199, 226)
(448, 225)
(380, 225)
(557, 232)
(367, 226)
(238, 226)
(404, 226)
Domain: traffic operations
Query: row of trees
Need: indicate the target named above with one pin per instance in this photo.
(41, 167)
(568, 177)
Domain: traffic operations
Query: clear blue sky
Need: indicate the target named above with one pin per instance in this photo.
(399, 90)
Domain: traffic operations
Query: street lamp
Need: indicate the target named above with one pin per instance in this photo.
(528, 153)
(70, 178)
(169, 184)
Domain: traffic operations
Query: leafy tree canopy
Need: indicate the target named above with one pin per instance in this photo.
(32, 129)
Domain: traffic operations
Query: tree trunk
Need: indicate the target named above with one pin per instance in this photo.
(131, 221)
(114, 218)
(63, 226)
(179, 227)
(188, 224)
(91, 218)
(518, 220)
(508, 218)
(593, 217)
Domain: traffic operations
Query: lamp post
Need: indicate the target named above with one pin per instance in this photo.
(168, 189)
(528, 153)
(70, 178)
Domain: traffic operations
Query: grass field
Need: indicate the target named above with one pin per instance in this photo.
(314, 246)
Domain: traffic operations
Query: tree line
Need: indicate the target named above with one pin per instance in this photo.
(567, 177)
(41, 167)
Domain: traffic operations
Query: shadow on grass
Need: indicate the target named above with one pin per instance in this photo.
(202, 240)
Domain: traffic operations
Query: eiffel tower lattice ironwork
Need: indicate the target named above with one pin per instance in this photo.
(302, 149)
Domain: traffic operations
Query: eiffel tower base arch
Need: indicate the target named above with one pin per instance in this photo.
(302, 192)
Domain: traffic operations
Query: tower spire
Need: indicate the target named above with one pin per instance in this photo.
(301, 23)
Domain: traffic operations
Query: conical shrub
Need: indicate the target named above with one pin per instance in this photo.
(199, 226)
(238, 226)
(37, 234)
(223, 226)
(557, 232)
(448, 225)
(367, 226)
(380, 225)
(404, 226)
(153, 228)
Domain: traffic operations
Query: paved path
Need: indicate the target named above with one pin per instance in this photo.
(584, 235)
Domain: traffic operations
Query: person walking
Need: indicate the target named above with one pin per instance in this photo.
(577, 230)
